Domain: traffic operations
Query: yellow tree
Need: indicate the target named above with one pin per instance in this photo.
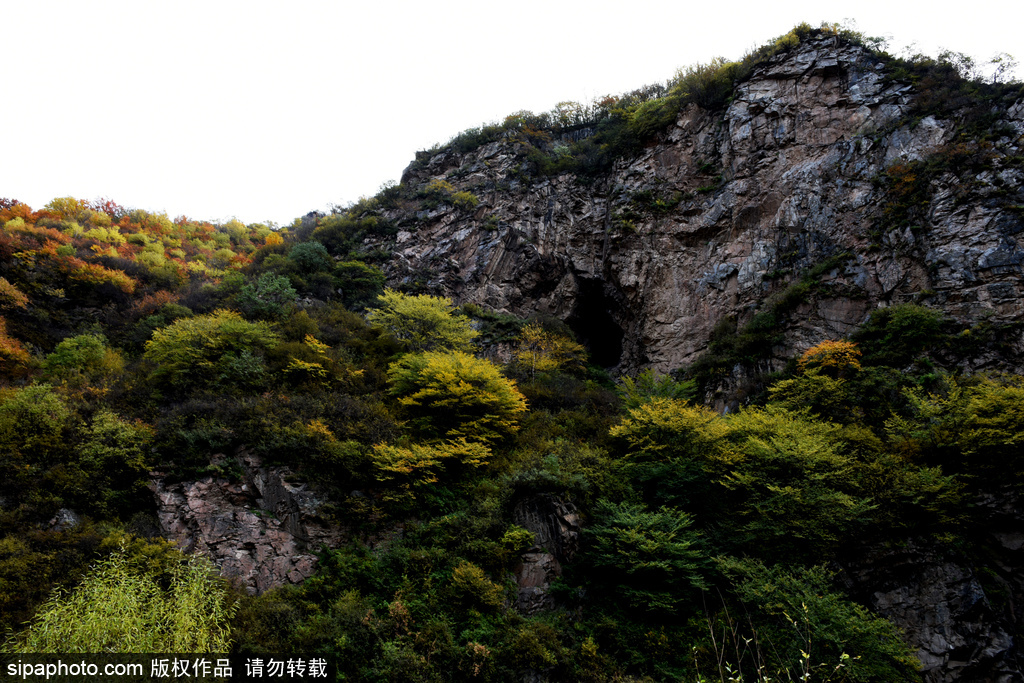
(543, 351)
(455, 395)
(422, 322)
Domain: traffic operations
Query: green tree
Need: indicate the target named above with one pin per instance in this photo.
(648, 386)
(805, 627)
(677, 453)
(119, 607)
(217, 348)
(311, 257)
(795, 485)
(266, 297)
(115, 454)
(407, 469)
(455, 395)
(651, 557)
(360, 283)
(85, 358)
(422, 322)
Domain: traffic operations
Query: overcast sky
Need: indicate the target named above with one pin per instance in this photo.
(267, 110)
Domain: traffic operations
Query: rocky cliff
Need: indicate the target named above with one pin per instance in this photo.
(262, 530)
(807, 167)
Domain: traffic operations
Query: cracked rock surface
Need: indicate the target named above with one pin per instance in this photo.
(262, 531)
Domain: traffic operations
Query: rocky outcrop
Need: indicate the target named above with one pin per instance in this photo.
(943, 609)
(958, 607)
(780, 181)
(261, 530)
(555, 525)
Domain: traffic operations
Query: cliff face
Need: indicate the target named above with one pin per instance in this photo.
(726, 209)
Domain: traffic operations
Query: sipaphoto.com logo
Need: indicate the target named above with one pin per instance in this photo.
(62, 669)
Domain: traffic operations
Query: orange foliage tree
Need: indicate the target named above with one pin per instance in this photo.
(838, 358)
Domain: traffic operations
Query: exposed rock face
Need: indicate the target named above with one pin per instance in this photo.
(261, 531)
(779, 182)
(555, 525)
(961, 618)
(65, 520)
(944, 612)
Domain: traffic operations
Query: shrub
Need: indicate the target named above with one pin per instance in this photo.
(13, 354)
(311, 257)
(83, 358)
(539, 350)
(409, 468)
(115, 454)
(465, 200)
(359, 283)
(835, 358)
(650, 557)
(648, 386)
(804, 624)
(120, 608)
(34, 422)
(11, 296)
(897, 335)
(471, 588)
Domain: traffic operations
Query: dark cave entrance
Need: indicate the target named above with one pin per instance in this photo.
(594, 326)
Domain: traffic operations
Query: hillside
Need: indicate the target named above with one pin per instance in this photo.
(721, 375)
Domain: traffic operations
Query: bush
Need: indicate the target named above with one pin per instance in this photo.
(648, 386)
(802, 623)
(311, 257)
(539, 350)
(360, 283)
(897, 335)
(120, 608)
(85, 358)
(267, 297)
(650, 557)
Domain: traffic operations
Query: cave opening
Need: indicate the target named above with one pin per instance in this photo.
(594, 325)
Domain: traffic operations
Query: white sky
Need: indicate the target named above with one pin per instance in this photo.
(267, 110)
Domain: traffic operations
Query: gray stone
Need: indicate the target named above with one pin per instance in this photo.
(779, 181)
(65, 520)
(261, 531)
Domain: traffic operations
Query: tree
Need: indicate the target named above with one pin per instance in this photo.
(85, 357)
(802, 623)
(653, 558)
(405, 469)
(422, 322)
(648, 386)
(542, 351)
(119, 607)
(217, 348)
(835, 358)
(266, 297)
(115, 456)
(359, 283)
(455, 395)
(311, 257)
